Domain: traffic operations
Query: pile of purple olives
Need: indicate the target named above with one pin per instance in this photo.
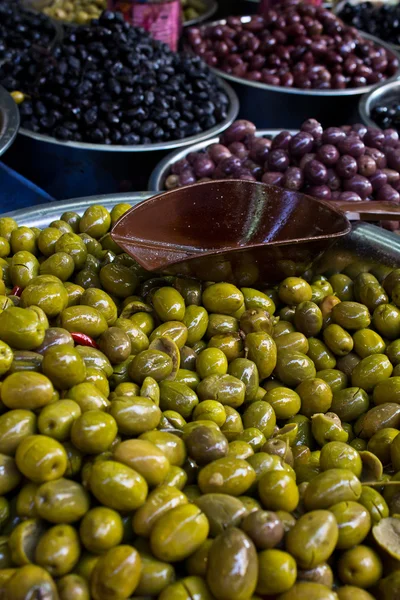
(348, 163)
(294, 45)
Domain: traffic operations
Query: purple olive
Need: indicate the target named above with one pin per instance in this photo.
(351, 145)
(245, 174)
(239, 149)
(218, 152)
(313, 127)
(333, 182)
(378, 157)
(269, 79)
(281, 140)
(237, 131)
(306, 159)
(259, 150)
(392, 176)
(358, 184)
(315, 172)
(293, 179)
(301, 143)
(346, 166)
(204, 166)
(272, 178)
(375, 138)
(287, 79)
(333, 135)
(391, 136)
(180, 166)
(338, 81)
(335, 195)
(378, 179)
(253, 167)
(278, 160)
(366, 165)
(387, 193)
(350, 197)
(319, 191)
(187, 177)
(393, 159)
(360, 129)
(328, 154)
(390, 225)
(230, 164)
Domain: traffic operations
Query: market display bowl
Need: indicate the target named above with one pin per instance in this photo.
(385, 93)
(9, 120)
(340, 5)
(72, 169)
(276, 106)
(162, 170)
(212, 7)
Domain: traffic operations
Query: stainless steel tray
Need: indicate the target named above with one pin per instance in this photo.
(384, 93)
(366, 242)
(161, 172)
(9, 120)
(41, 216)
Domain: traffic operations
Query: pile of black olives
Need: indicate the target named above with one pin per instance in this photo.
(162, 438)
(111, 83)
(349, 163)
(294, 45)
(21, 30)
(387, 115)
(381, 20)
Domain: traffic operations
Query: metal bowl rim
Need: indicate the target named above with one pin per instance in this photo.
(159, 172)
(9, 120)
(299, 91)
(364, 105)
(232, 114)
(213, 7)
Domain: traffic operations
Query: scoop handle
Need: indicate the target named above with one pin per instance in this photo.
(369, 210)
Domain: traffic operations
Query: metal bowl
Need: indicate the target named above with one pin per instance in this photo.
(386, 93)
(9, 120)
(276, 106)
(42, 215)
(212, 7)
(161, 172)
(72, 169)
(339, 7)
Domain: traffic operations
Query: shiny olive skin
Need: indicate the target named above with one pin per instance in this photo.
(386, 320)
(294, 367)
(350, 403)
(145, 458)
(360, 566)
(134, 415)
(73, 586)
(378, 417)
(278, 491)
(371, 371)
(179, 533)
(222, 298)
(56, 419)
(61, 501)
(64, 366)
(313, 538)
(308, 319)
(316, 396)
(354, 523)
(226, 476)
(222, 577)
(28, 578)
(41, 458)
(116, 573)
(206, 445)
(117, 486)
(159, 502)
(338, 455)
(331, 487)
(101, 529)
(22, 328)
(262, 350)
(264, 528)
(62, 538)
(322, 357)
(306, 590)
(171, 445)
(285, 402)
(294, 290)
(222, 511)
(155, 576)
(94, 431)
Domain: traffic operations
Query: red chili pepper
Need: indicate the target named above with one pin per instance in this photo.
(16, 291)
(81, 339)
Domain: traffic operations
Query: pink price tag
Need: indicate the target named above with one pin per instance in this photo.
(163, 21)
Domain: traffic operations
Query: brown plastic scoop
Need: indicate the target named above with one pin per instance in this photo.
(231, 230)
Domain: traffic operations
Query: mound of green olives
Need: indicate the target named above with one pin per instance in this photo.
(169, 439)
